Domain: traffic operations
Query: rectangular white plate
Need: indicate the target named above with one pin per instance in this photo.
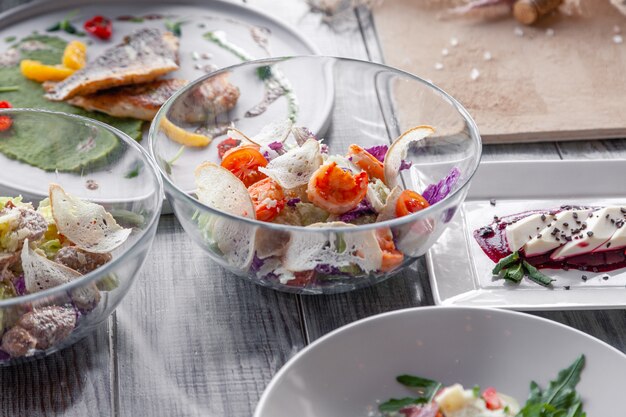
(460, 272)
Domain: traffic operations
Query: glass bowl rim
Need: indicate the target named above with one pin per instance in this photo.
(106, 268)
(179, 193)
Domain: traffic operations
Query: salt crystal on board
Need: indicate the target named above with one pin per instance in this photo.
(550, 32)
(487, 56)
(454, 41)
(445, 52)
(474, 74)
(618, 39)
(518, 31)
(438, 66)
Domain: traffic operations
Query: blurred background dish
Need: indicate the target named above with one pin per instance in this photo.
(350, 371)
(134, 200)
(455, 145)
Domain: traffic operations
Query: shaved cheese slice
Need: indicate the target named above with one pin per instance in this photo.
(295, 168)
(305, 251)
(40, 273)
(88, 225)
(388, 211)
(302, 134)
(399, 149)
(273, 132)
(220, 189)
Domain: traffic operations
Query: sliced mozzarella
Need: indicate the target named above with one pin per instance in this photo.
(618, 240)
(557, 233)
(453, 398)
(523, 230)
(600, 228)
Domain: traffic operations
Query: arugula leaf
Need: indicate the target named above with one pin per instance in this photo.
(535, 275)
(560, 398)
(514, 273)
(425, 387)
(506, 262)
(264, 72)
(476, 391)
(398, 404)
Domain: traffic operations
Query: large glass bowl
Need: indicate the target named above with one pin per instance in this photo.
(343, 101)
(120, 176)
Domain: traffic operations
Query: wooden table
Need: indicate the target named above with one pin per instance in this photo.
(193, 340)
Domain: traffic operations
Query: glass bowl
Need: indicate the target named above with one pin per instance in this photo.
(94, 162)
(343, 101)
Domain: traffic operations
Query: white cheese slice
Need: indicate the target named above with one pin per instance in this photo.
(523, 230)
(556, 233)
(600, 228)
(618, 240)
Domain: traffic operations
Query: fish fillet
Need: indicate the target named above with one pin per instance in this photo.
(145, 55)
(141, 101)
(205, 101)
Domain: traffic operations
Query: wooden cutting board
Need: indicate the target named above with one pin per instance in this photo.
(536, 87)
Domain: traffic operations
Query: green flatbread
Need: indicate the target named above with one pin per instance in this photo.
(55, 146)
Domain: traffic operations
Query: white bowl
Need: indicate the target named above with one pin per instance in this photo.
(347, 372)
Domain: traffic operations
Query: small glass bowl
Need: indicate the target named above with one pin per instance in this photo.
(343, 101)
(121, 177)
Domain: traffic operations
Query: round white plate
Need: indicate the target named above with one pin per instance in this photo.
(349, 371)
(196, 53)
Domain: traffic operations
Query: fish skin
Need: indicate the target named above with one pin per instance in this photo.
(145, 55)
(140, 101)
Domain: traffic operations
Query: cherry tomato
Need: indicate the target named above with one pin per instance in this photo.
(244, 162)
(302, 279)
(5, 121)
(410, 202)
(268, 199)
(226, 145)
(492, 400)
(100, 27)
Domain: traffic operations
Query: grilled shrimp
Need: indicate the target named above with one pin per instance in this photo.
(335, 190)
(367, 162)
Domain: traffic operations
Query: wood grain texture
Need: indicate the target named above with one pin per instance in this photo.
(526, 92)
(73, 382)
(195, 340)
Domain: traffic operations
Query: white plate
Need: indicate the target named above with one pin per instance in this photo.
(233, 19)
(460, 272)
(349, 371)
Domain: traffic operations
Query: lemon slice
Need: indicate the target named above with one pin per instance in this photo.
(36, 71)
(182, 136)
(398, 151)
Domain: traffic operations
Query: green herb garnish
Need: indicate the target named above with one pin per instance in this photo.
(534, 274)
(560, 398)
(264, 72)
(514, 273)
(506, 262)
(397, 404)
(10, 39)
(513, 269)
(133, 172)
(426, 387)
(175, 27)
(66, 25)
(9, 88)
(476, 391)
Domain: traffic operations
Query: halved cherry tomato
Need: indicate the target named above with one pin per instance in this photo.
(268, 199)
(367, 162)
(410, 202)
(244, 162)
(99, 26)
(492, 400)
(226, 145)
(302, 279)
(5, 121)
(392, 257)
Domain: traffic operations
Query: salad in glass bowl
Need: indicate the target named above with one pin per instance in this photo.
(303, 207)
(75, 228)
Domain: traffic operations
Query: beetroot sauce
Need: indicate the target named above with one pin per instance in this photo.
(492, 240)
